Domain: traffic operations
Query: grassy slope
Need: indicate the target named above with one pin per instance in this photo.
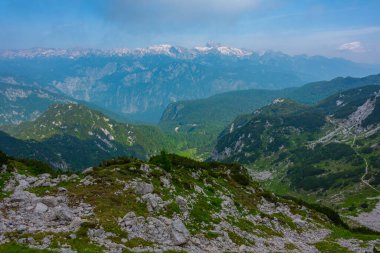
(200, 121)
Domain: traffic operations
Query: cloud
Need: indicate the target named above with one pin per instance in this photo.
(164, 15)
(354, 46)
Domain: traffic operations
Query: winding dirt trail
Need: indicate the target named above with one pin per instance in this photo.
(362, 179)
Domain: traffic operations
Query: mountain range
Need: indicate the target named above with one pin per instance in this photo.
(140, 83)
(170, 149)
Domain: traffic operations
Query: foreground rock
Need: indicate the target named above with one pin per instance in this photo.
(371, 219)
(25, 212)
(160, 230)
(142, 208)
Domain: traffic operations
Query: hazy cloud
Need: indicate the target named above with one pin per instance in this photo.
(311, 27)
(163, 15)
(354, 46)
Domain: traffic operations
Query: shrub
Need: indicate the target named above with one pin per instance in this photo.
(364, 205)
(37, 167)
(3, 158)
(241, 179)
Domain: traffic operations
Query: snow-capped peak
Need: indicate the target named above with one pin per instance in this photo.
(231, 51)
(163, 49)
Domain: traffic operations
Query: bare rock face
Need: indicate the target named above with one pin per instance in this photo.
(159, 230)
(371, 219)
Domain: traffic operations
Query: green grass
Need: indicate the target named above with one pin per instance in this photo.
(238, 240)
(331, 247)
(4, 177)
(211, 235)
(339, 232)
(138, 242)
(82, 243)
(290, 246)
(16, 248)
(189, 153)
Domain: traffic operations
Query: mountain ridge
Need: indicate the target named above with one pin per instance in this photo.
(140, 85)
(325, 153)
(80, 136)
(206, 118)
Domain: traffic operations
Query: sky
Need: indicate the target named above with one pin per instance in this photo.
(333, 28)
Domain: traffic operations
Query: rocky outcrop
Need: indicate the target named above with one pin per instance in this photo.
(160, 230)
(102, 238)
(143, 188)
(371, 219)
(150, 210)
(25, 212)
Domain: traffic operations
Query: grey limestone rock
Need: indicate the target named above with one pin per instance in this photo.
(143, 188)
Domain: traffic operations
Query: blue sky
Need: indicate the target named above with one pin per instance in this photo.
(334, 28)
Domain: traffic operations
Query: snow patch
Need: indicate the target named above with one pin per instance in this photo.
(339, 102)
(278, 100)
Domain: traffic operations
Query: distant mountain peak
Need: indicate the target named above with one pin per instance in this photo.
(222, 49)
(160, 49)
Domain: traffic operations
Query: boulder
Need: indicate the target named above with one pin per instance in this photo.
(88, 170)
(22, 196)
(50, 201)
(182, 203)
(4, 168)
(165, 182)
(143, 188)
(179, 233)
(299, 222)
(10, 186)
(40, 208)
(160, 230)
(62, 213)
(2, 226)
(153, 201)
(145, 168)
(22, 185)
(88, 180)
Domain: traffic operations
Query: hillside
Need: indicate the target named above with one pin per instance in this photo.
(20, 103)
(197, 123)
(140, 83)
(327, 152)
(316, 91)
(81, 137)
(169, 204)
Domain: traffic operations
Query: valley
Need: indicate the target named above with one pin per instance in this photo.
(140, 83)
(260, 156)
